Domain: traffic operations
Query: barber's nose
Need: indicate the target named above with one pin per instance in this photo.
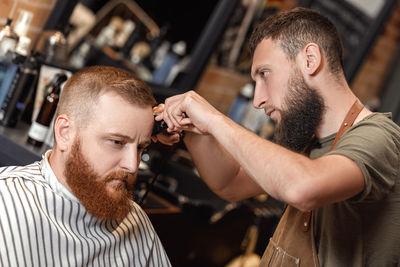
(260, 97)
(130, 160)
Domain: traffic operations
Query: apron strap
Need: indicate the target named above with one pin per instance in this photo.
(348, 121)
(346, 124)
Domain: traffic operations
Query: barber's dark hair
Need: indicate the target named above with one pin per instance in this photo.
(84, 88)
(295, 28)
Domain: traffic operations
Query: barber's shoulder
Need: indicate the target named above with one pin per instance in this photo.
(378, 119)
(377, 128)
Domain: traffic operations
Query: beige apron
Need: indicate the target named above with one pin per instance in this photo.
(293, 241)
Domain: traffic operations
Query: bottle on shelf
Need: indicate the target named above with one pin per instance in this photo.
(177, 52)
(19, 92)
(140, 51)
(135, 36)
(21, 88)
(159, 54)
(14, 61)
(159, 47)
(39, 128)
(122, 37)
(21, 52)
(21, 28)
(241, 102)
(53, 44)
(107, 35)
(79, 56)
(23, 22)
(8, 39)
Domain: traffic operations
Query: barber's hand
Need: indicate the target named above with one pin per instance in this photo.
(189, 112)
(166, 139)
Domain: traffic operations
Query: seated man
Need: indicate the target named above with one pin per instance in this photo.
(75, 207)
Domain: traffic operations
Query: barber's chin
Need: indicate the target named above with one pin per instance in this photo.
(275, 116)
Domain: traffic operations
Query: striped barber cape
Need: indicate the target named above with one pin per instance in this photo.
(43, 224)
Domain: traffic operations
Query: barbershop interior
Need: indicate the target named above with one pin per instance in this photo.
(176, 46)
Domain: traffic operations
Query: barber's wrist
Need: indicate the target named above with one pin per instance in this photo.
(216, 122)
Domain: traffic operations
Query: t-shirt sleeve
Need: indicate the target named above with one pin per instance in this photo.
(374, 147)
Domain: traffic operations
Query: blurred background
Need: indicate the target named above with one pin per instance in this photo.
(176, 46)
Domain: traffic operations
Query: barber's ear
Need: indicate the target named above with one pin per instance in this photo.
(312, 59)
(63, 132)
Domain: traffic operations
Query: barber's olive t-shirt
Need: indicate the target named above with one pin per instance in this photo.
(364, 230)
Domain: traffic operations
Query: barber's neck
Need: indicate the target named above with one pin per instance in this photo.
(338, 99)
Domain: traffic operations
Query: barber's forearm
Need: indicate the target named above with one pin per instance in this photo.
(275, 169)
(216, 167)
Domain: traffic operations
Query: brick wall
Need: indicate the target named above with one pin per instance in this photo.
(370, 81)
(41, 10)
(220, 86)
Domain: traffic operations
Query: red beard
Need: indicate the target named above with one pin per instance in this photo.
(91, 189)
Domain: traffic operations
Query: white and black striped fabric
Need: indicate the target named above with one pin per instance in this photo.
(44, 225)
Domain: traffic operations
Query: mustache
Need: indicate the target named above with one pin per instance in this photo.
(127, 177)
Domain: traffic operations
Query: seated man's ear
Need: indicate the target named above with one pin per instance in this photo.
(63, 132)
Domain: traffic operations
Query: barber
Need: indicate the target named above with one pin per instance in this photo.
(334, 162)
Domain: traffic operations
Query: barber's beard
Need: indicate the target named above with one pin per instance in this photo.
(302, 114)
(91, 189)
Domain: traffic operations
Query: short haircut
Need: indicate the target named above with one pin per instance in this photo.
(83, 89)
(295, 28)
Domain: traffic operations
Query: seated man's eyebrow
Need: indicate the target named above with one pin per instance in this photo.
(117, 135)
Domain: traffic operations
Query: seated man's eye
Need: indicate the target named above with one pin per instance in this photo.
(117, 142)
